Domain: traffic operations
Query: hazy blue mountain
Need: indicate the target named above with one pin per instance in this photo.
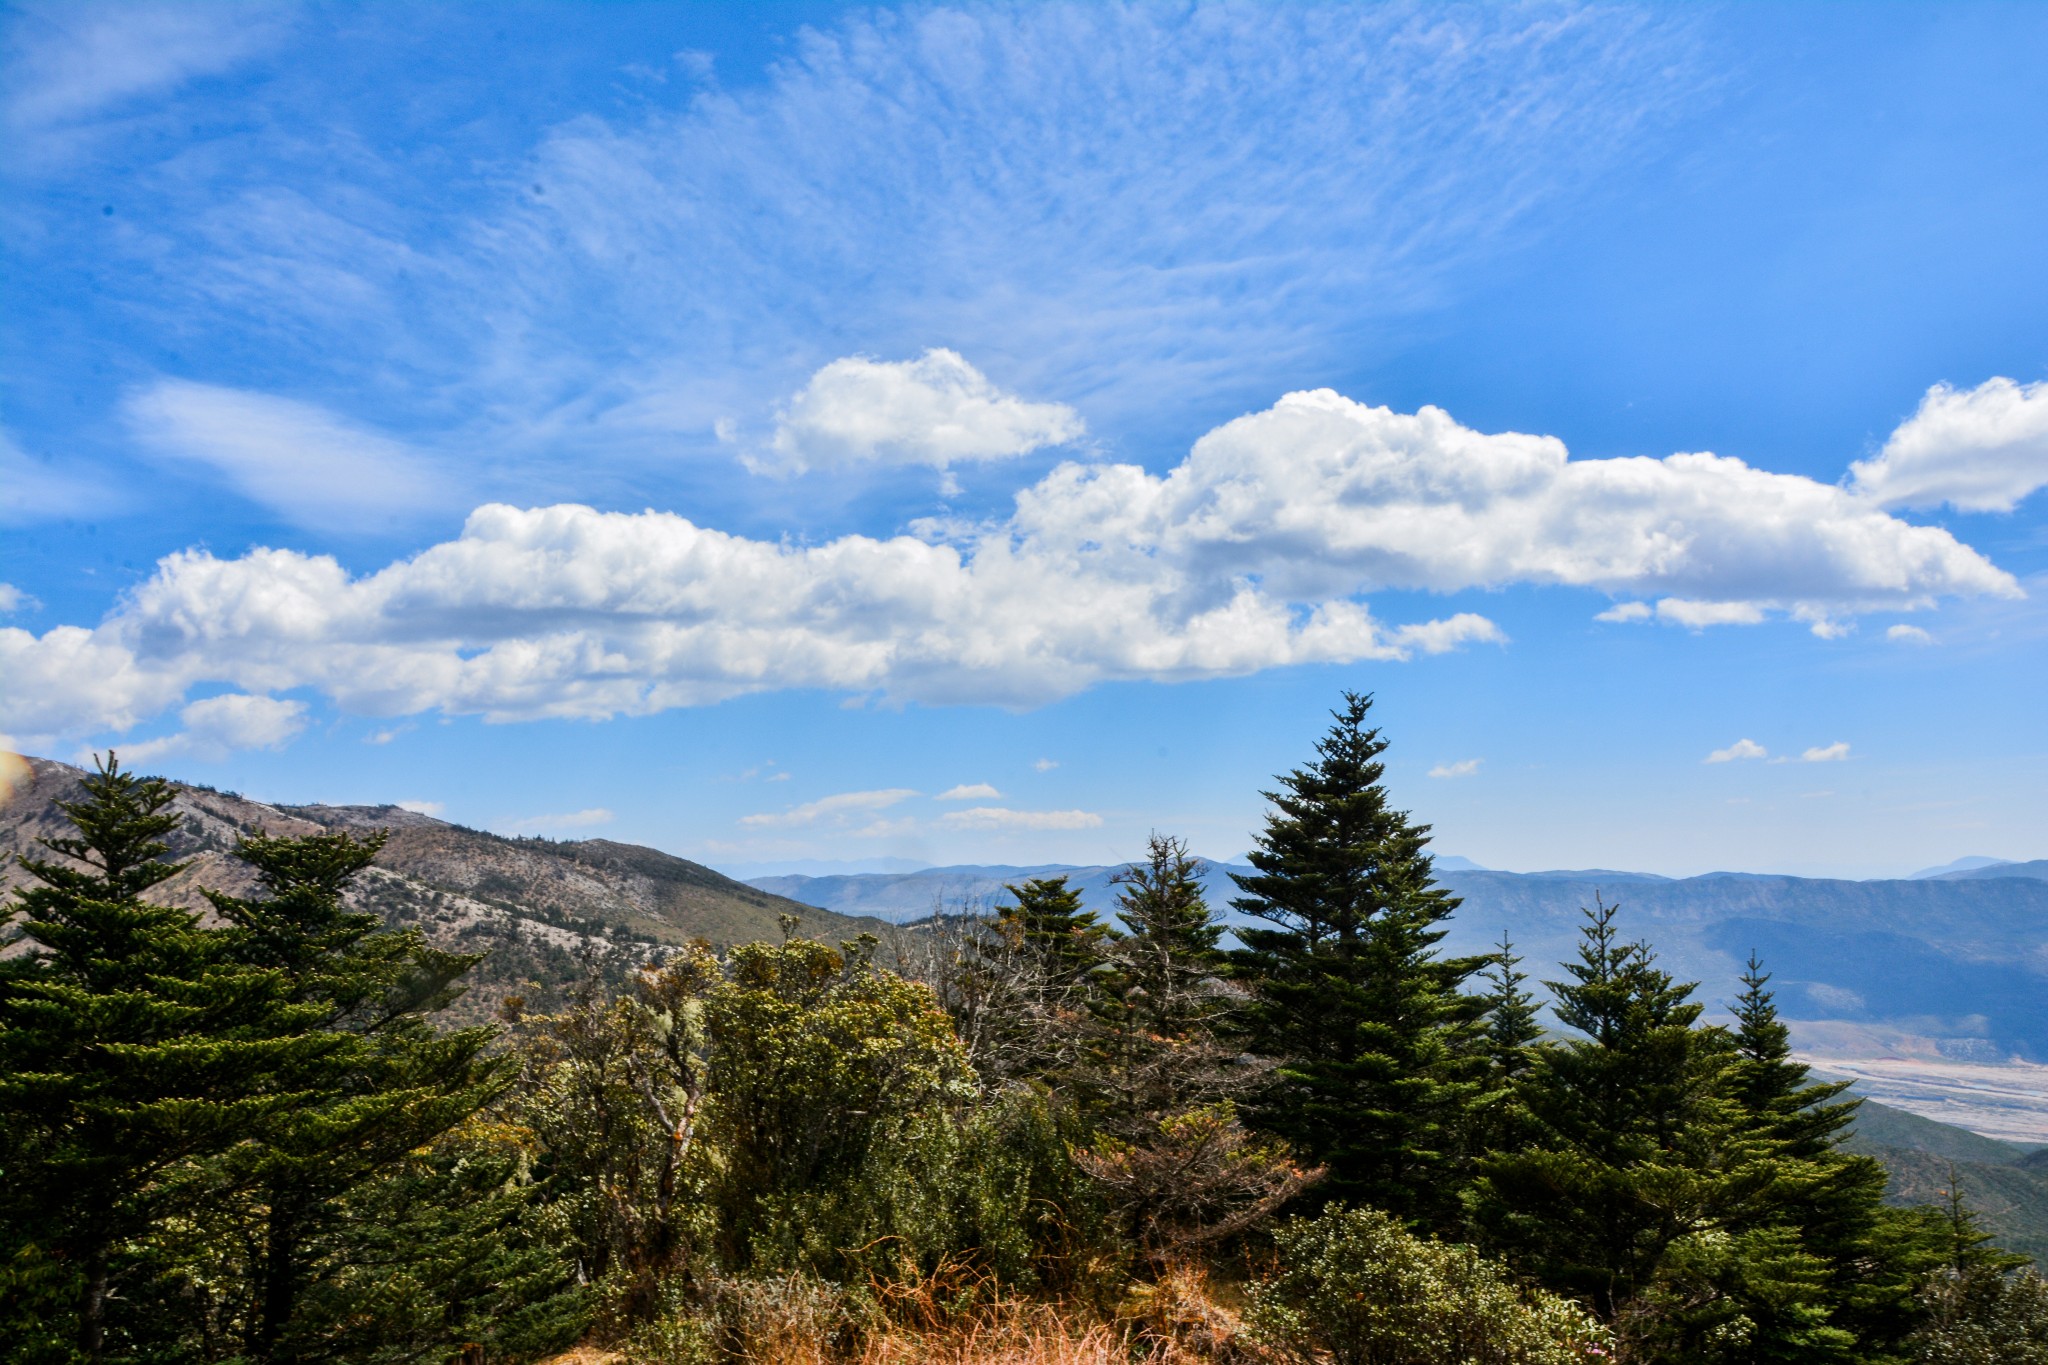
(1969, 864)
(1963, 956)
(2036, 870)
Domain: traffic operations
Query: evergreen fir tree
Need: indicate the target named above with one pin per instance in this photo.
(1378, 1071)
(387, 1082)
(1158, 1008)
(1512, 1028)
(130, 1047)
(1875, 1257)
(1065, 940)
(1631, 1132)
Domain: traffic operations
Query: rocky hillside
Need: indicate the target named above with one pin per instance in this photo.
(544, 912)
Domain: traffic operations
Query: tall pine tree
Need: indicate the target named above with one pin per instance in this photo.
(131, 1047)
(1379, 1068)
(387, 1083)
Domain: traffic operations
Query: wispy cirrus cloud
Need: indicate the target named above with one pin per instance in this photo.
(831, 808)
(1003, 819)
(69, 65)
(575, 819)
(1263, 188)
(294, 458)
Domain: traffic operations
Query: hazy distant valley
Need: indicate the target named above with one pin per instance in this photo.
(1930, 991)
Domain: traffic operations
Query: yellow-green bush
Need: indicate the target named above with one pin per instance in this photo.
(1356, 1288)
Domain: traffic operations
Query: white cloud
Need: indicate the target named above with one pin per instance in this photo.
(1978, 450)
(1464, 767)
(1251, 554)
(579, 819)
(1838, 752)
(79, 61)
(423, 807)
(13, 599)
(1045, 765)
(1908, 635)
(1741, 748)
(218, 726)
(936, 410)
(293, 458)
(31, 490)
(830, 807)
(1628, 611)
(977, 791)
(999, 818)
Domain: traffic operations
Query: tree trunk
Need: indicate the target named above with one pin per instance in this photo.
(280, 1273)
(92, 1329)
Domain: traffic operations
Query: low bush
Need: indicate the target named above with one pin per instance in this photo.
(1356, 1288)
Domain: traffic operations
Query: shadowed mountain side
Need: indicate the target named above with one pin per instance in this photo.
(1880, 1127)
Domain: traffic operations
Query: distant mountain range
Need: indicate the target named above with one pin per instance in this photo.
(1959, 958)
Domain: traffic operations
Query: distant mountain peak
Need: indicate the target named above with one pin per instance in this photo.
(1969, 864)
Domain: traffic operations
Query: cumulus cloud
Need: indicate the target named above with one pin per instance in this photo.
(976, 791)
(1741, 748)
(1908, 635)
(999, 818)
(1045, 765)
(218, 726)
(836, 807)
(294, 458)
(579, 819)
(13, 599)
(1978, 450)
(1838, 752)
(1464, 767)
(936, 410)
(423, 807)
(1251, 554)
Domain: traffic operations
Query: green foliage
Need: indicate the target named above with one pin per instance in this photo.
(384, 1082)
(1379, 1058)
(817, 1061)
(1982, 1315)
(131, 1046)
(449, 1246)
(1356, 1288)
(1047, 918)
(1154, 1047)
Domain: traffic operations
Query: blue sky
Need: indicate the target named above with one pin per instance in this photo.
(991, 433)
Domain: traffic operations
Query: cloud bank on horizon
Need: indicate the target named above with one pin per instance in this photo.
(1255, 552)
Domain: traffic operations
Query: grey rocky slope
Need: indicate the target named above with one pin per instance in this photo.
(545, 912)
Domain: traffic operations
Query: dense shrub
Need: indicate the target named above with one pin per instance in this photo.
(1356, 1288)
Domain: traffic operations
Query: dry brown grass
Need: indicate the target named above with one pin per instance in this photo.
(1182, 1319)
